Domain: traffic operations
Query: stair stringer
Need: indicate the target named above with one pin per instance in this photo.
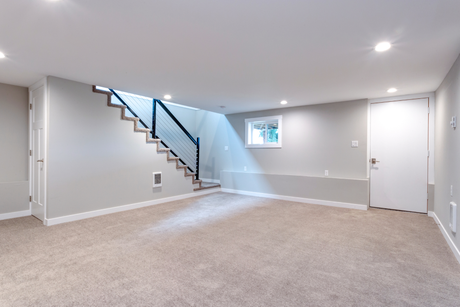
(148, 139)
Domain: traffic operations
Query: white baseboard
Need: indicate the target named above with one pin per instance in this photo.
(12, 215)
(211, 180)
(85, 215)
(446, 235)
(299, 199)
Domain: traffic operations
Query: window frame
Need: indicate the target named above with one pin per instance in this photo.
(265, 119)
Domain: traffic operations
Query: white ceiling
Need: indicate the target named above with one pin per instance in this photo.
(243, 54)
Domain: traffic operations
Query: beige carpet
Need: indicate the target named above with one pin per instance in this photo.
(229, 250)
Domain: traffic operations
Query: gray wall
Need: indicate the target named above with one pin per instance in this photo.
(14, 125)
(352, 191)
(315, 138)
(447, 145)
(95, 159)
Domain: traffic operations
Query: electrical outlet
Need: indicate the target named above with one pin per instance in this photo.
(354, 144)
(326, 173)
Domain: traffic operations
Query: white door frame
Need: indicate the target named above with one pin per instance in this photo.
(430, 133)
(43, 82)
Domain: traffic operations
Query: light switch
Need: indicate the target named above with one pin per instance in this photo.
(453, 122)
(354, 144)
(225, 147)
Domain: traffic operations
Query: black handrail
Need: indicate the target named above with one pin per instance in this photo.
(197, 158)
(175, 120)
(154, 119)
(127, 106)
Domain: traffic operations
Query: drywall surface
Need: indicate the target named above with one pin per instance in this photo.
(214, 132)
(447, 144)
(352, 191)
(14, 125)
(315, 138)
(96, 160)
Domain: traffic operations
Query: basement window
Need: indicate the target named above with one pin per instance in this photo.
(263, 132)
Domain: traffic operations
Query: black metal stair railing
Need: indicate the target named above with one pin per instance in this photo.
(154, 115)
(169, 129)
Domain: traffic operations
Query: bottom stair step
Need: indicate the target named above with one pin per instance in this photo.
(207, 186)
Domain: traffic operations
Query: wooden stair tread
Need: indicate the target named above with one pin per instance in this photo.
(134, 119)
(207, 187)
(153, 140)
(141, 130)
(117, 106)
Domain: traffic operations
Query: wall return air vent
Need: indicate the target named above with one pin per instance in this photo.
(157, 180)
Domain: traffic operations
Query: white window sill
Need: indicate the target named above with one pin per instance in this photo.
(263, 146)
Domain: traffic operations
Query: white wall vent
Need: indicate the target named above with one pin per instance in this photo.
(157, 180)
(453, 217)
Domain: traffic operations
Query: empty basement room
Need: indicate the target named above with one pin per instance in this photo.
(229, 153)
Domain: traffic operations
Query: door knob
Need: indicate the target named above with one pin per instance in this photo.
(40, 160)
(373, 160)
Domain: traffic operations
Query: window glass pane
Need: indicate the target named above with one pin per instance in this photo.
(258, 133)
(272, 133)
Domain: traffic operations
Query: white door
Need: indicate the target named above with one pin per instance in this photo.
(399, 147)
(37, 144)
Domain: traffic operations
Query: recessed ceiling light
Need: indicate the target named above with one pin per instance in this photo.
(2, 55)
(283, 102)
(167, 97)
(392, 90)
(383, 46)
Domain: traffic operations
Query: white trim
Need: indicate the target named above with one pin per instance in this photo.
(85, 215)
(299, 199)
(210, 180)
(446, 235)
(12, 215)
